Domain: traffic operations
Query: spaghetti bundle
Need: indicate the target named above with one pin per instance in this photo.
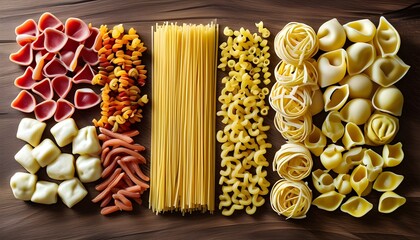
(183, 125)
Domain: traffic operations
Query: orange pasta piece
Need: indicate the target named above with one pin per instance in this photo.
(107, 190)
(116, 135)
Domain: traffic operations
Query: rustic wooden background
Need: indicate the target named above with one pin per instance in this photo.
(19, 220)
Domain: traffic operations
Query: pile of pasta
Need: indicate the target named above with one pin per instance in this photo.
(245, 59)
(363, 107)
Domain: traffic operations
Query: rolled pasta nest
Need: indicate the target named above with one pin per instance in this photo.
(296, 130)
(293, 161)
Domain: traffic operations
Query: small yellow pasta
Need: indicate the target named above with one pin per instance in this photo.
(390, 201)
(360, 86)
(316, 141)
(387, 181)
(357, 111)
(322, 181)
(332, 67)
(380, 129)
(331, 35)
(389, 100)
(335, 97)
(359, 57)
(293, 161)
(387, 40)
(332, 156)
(342, 184)
(356, 206)
(328, 201)
(353, 136)
(374, 163)
(359, 179)
(360, 31)
(392, 154)
(332, 126)
(354, 156)
(387, 71)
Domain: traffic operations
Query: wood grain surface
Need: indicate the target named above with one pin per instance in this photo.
(22, 220)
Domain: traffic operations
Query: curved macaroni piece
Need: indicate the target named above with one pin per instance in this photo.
(356, 206)
(392, 154)
(292, 75)
(328, 201)
(293, 161)
(331, 35)
(291, 199)
(322, 181)
(359, 57)
(294, 130)
(387, 71)
(331, 157)
(374, 163)
(295, 43)
(354, 156)
(387, 39)
(332, 126)
(360, 31)
(332, 67)
(381, 129)
(317, 104)
(390, 201)
(387, 181)
(359, 179)
(316, 141)
(342, 184)
(357, 111)
(360, 86)
(335, 97)
(353, 136)
(389, 100)
(290, 102)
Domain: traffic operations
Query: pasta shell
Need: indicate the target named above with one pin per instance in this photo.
(357, 111)
(332, 126)
(387, 71)
(392, 154)
(390, 201)
(331, 157)
(24, 102)
(374, 163)
(368, 190)
(354, 156)
(359, 179)
(342, 184)
(381, 129)
(387, 39)
(317, 104)
(328, 201)
(359, 57)
(293, 161)
(360, 86)
(343, 167)
(389, 100)
(322, 180)
(360, 31)
(331, 67)
(356, 206)
(353, 136)
(387, 181)
(335, 97)
(316, 141)
(331, 35)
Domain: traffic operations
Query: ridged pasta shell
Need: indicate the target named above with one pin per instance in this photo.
(389, 100)
(360, 86)
(374, 163)
(357, 111)
(332, 126)
(331, 35)
(359, 179)
(359, 57)
(342, 184)
(380, 129)
(332, 67)
(353, 136)
(331, 157)
(356, 206)
(360, 31)
(328, 201)
(387, 181)
(387, 39)
(390, 201)
(392, 154)
(387, 71)
(316, 141)
(322, 180)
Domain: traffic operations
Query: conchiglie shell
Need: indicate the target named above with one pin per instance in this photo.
(353, 136)
(331, 156)
(360, 31)
(359, 179)
(387, 39)
(392, 154)
(328, 201)
(374, 163)
(316, 141)
(331, 35)
(317, 104)
(354, 156)
(359, 57)
(335, 97)
(389, 100)
(387, 71)
(322, 180)
(357, 111)
(332, 126)
(342, 184)
(360, 86)
(356, 206)
(332, 67)
(390, 201)
(387, 181)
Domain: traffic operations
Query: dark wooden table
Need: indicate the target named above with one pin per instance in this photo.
(21, 220)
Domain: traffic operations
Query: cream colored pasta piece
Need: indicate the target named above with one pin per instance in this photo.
(24, 157)
(45, 193)
(387, 71)
(387, 181)
(30, 130)
(316, 141)
(295, 130)
(392, 154)
(359, 179)
(71, 192)
(354, 156)
(331, 35)
(353, 136)
(322, 181)
(331, 156)
(374, 164)
(292, 75)
(46, 152)
(291, 198)
(359, 57)
(360, 31)
(317, 104)
(380, 129)
(357, 111)
(335, 97)
(390, 201)
(332, 126)
(387, 39)
(332, 67)
(360, 86)
(61, 168)
(293, 161)
(328, 201)
(342, 184)
(64, 131)
(356, 206)
(23, 185)
(290, 102)
(389, 100)
(86, 142)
